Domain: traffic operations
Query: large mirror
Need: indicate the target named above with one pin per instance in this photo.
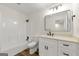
(59, 22)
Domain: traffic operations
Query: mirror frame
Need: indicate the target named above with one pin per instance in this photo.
(55, 31)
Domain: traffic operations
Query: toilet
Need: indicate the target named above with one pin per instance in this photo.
(32, 44)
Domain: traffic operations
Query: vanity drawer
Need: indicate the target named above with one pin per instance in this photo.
(67, 48)
(66, 53)
(67, 45)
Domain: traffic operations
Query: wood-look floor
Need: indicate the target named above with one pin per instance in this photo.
(26, 53)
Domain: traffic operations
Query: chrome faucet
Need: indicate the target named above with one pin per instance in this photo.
(50, 34)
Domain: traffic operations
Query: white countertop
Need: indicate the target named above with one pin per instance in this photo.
(61, 37)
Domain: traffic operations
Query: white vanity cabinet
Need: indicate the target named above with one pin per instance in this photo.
(47, 47)
(57, 47)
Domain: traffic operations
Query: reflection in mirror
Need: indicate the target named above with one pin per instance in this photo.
(59, 25)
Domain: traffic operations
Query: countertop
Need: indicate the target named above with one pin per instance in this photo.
(61, 37)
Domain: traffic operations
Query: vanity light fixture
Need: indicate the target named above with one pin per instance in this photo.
(56, 6)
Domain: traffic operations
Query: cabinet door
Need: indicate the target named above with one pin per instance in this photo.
(78, 49)
(52, 47)
(47, 47)
(42, 47)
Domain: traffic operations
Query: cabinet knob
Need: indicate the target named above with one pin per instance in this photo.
(65, 45)
(46, 47)
(65, 54)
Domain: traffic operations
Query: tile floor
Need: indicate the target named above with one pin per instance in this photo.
(26, 53)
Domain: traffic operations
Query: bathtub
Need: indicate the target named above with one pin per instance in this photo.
(14, 49)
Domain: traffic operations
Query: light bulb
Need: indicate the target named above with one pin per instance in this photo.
(15, 22)
(57, 25)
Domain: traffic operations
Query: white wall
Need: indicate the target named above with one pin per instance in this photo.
(76, 20)
(37, 19)
(12, 29)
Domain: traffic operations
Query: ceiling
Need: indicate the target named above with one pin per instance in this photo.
(28, 7)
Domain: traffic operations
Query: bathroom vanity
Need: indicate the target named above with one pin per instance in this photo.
(58, 45)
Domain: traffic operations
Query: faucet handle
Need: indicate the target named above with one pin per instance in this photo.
(52, 34)
(49, 33)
